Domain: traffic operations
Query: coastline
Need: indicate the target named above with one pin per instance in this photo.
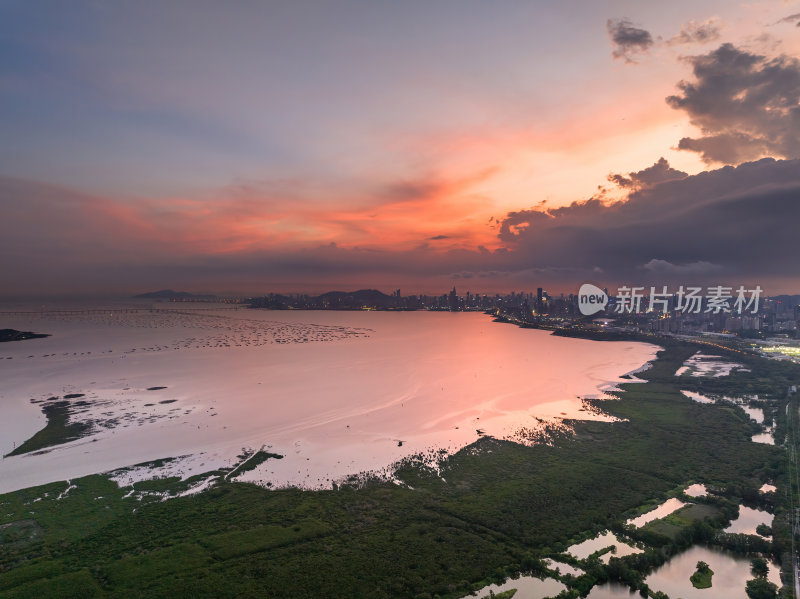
(378, 432)
(504, 505)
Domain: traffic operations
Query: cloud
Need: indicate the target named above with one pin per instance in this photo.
(716, 227)
(795, 18)
(658, 173)
(701, 267)
(438, 237)
(746, 105)
(697, 33)
(627, 39)
(716, 223)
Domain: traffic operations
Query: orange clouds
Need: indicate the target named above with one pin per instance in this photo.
(437, 212)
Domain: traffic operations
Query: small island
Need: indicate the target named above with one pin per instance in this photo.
(702, 578)
(14, 335)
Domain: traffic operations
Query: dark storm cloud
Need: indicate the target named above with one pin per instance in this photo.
(658, 173)
(735, 223)
(746, 105)
(696, 33)
(627, 39)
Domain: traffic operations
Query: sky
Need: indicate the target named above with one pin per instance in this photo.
(251, 147)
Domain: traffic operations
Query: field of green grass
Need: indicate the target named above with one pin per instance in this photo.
(58, 429)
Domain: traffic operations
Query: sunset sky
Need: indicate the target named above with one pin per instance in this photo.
(248, 147)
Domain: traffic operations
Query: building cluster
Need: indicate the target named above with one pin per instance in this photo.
(774, 316)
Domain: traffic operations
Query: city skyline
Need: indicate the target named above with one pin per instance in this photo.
(303, 148)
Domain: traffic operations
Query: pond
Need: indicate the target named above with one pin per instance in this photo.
(562, 568)
(748, 520)
(606, 539)
(528, 587)
(663, 510)
(696, 490)
(611, 590)
(765, 437)
(754, 413)
(731, 573)
(698, 397)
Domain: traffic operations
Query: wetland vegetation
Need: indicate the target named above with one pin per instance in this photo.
(491, 511)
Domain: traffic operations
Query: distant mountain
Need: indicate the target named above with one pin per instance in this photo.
(169, 294)
(356, 299)
(333, 300)
(792, 300)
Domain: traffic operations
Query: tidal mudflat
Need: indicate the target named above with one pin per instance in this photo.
(335, 393)
(708, 365)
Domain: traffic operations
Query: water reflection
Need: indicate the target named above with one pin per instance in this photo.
(417, 382)
(611, 590)
(696, 490)
(606, 539)
(765, 437)
(528, 587)
(663, 510)
(709, 366)
(748, 521)
(698, 397)
(754, 413)
(562, 568)
(731, 573)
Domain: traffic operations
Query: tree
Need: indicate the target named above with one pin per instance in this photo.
(761, 588)
(759, 567)
(764, 530)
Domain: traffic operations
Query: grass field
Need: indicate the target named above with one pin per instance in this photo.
(58, 429)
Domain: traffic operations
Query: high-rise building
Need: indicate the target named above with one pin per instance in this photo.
(453, 300)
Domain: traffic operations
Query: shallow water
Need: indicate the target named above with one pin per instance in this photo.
(698, 397)
(748, 520)
(562, 567)
(605, 539)
(696, 490)
(611, 590)
(765, 437)
(708, 366)
(731, 573)
(527, 587)
(336, 393)
(756, 414)
(663, 510)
